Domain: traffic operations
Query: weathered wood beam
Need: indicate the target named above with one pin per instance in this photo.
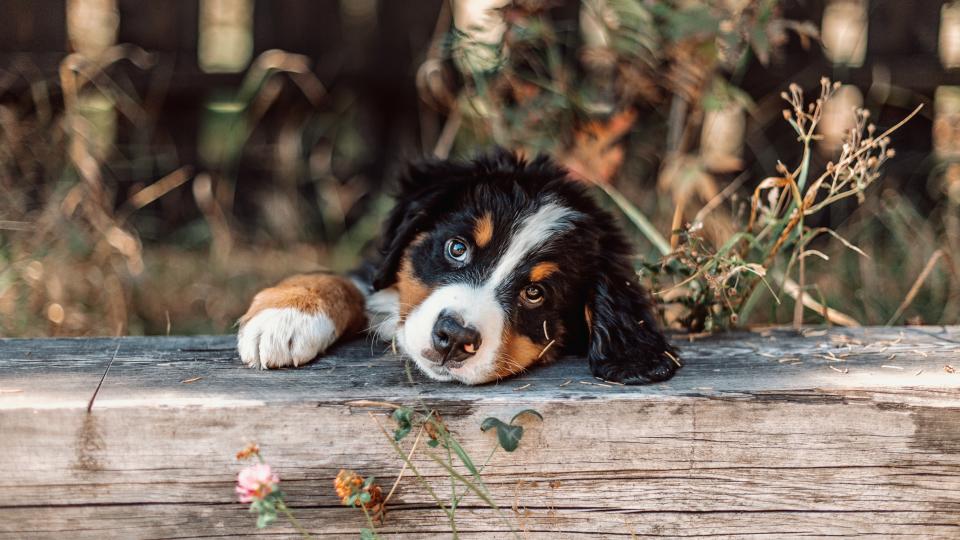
(770, 434)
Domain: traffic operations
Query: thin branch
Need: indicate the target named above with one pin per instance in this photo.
(812, 190)
(406, 460)
(449, 133)
(404, 468)
(912, 294)
(836, 317)
(719, 198)
(102, 377)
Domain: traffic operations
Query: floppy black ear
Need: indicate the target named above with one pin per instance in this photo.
(626, 344)
(424, 192)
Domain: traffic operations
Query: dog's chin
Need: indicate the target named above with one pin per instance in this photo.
(431, 370)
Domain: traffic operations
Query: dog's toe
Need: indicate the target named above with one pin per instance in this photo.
(284, 337)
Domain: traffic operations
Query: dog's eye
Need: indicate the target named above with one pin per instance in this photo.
(457, 250)
(532, 294)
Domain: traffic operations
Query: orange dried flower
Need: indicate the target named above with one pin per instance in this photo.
(434, 426)
(348, 483)
(252, 449)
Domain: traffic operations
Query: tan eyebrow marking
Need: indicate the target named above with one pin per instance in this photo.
(483, 230)
(542, 271)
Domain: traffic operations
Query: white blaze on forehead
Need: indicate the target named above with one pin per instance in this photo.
(535, 230)
(478, 305)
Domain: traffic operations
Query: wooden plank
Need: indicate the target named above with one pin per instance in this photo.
(205, 521)
(741, 443)
(735, 363)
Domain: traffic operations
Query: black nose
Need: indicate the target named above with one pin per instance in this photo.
(454, 341)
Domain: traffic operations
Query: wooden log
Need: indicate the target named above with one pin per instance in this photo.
(852, 433)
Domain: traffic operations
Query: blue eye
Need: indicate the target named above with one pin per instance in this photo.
(457, 250)
(532, 294)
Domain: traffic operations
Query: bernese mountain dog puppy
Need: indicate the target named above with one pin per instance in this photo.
(486, 268)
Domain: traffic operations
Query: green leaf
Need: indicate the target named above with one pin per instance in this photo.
(682, 24)
(368, 482)
(490, 422)
(761, 44)
(364, 497)
(464, 457)
(266, 518)
(532, 412)
(367, 534)
(508, 436)
(433, 443)
(404, 419)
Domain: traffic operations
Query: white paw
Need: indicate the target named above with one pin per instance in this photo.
(281, 337)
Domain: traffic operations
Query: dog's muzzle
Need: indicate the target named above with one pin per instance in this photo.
(452, 340)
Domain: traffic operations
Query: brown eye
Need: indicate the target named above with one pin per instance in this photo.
(532, 294)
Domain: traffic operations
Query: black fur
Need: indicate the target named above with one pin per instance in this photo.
(623, 342)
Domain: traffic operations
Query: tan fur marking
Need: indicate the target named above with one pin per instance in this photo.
(518, 352)
(411, 291)
(542, 271)
(588, 317)
(334, 296)
(483, 230)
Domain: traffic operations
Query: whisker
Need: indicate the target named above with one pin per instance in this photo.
(511, 364)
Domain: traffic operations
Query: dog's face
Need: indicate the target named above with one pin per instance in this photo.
(496, 266)
(482, 293)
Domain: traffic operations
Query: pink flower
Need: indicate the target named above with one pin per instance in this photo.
(256, 482)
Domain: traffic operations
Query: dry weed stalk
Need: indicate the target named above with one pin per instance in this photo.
(711, 286)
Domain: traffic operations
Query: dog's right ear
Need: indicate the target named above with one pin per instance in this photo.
(425, 192)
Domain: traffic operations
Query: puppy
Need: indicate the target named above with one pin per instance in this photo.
(485, 269)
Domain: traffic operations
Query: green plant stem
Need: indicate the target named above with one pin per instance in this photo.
(771, 255)
(293, 521)
(480, 470)
(453, 490)
(480, 493)
(369, 521)
(804, 165)
(801, 280)
(410, 464)
(638, 219)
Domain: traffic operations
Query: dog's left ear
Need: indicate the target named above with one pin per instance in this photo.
(625, 343)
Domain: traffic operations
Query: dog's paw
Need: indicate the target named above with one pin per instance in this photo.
(283, 337)
(641, 365)
(650, 370)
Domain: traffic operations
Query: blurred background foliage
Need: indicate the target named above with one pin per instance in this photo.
(161, 161)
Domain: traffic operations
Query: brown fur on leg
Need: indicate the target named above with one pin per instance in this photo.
(334, 296)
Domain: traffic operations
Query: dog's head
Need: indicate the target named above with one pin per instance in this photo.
(500, 264)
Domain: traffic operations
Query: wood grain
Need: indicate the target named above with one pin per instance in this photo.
(766, 434)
